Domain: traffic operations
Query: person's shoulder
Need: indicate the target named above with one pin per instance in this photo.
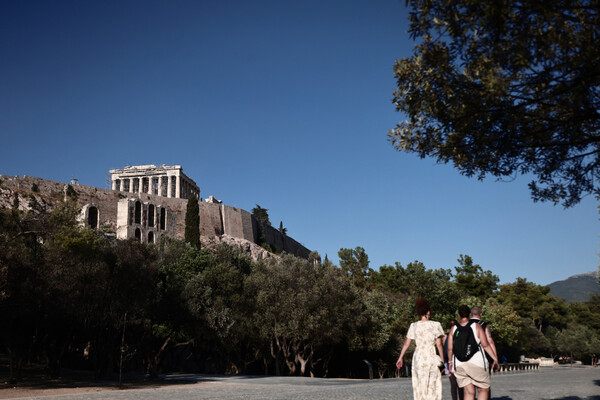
(480, 322)
(437, 326)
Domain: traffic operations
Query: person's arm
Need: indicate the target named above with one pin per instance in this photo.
(400, 361)
(450, 353)
(486, 346)
(488, 336)
(440, 347)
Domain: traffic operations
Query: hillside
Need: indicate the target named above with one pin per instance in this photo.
(576, 288)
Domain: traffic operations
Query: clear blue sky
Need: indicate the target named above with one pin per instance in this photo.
(285, 104)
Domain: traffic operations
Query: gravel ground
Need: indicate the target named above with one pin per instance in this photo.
(548, 383)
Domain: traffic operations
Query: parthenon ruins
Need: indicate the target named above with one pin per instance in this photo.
(166, 181)
(147, 203)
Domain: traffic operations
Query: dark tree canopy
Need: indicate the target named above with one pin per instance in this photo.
(192, 222)
(505, 88)
(261, 215)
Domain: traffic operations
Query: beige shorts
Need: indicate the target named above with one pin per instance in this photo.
(469, 373)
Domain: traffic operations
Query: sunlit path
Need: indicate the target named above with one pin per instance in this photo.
(551, 383)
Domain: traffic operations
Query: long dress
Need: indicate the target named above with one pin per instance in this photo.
(426, 376)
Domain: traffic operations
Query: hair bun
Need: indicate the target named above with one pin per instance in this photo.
(422, 306)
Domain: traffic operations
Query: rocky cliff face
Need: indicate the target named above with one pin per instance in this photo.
(255, 251)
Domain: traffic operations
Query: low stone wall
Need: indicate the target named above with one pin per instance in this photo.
(516, 367)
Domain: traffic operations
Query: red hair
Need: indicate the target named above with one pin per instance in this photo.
(422, 306)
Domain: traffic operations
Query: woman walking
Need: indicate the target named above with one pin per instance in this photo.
(426, 375)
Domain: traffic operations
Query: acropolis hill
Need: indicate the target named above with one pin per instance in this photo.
(147, 202)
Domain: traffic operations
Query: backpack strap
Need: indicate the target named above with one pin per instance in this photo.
(479, 322)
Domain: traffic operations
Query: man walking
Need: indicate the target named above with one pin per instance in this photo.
(476, 317)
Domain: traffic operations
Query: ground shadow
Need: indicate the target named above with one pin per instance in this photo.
(35, 377)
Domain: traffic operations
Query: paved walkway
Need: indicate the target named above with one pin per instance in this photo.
(549, 383)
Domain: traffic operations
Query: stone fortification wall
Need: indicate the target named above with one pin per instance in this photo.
(285, 243)
(238, 223)
(215, 219)
(211, 219)
(49, 193)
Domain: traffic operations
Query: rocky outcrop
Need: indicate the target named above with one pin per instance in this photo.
(255, 251)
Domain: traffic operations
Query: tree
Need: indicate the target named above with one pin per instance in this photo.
(472, 280)
(534, 303)
(575, 341)
(303, 311)
(282, 230)
(192, 222)
(505, 88)
(261, 215)
(406, 284)
(355, 264)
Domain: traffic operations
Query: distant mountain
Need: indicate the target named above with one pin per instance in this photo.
(577, 288)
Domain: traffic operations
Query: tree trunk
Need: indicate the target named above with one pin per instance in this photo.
(275, 354)
(154, 363)
(304, 355)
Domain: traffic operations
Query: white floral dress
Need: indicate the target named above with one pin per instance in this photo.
(426, 376)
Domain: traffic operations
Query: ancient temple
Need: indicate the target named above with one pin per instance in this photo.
(164, 180)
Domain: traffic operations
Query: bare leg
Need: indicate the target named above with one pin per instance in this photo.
(484, 394)
(469, 392)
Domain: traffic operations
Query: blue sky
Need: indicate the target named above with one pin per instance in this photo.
(285, 104)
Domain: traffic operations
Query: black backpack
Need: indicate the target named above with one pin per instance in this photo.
(465, 345)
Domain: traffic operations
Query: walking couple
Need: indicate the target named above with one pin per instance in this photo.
(466, 362)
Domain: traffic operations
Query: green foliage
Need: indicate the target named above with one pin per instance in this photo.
(261, 215)
(262, 219)
(587, 313)
(472, 280)
(65, 287)
(71, 193)
(192, 222)
(417, 281)
(355, 264)
(505, 88)
(576, 341)
(377, 317)
(304, 310)
(267, 247)
(282, 230)
(534, 303)
(34, 188)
